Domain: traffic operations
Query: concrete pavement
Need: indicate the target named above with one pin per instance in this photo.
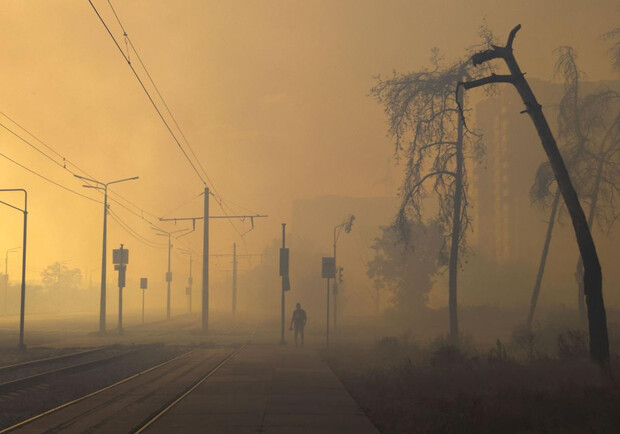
(268, 388)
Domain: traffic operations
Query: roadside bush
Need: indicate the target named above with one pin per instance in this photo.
(497, 354)
(388, 346)
(572, 344)
(526, 341)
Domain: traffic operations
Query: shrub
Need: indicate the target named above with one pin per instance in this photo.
(388, 346)
(498, 354)
(526, 339)
(448, 355)
(572, 344)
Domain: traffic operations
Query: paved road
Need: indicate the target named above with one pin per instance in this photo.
(268, 389)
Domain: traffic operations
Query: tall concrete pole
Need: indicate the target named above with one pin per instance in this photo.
(102, 300)
(327, 324)
(22, 310)
(168, 280)
(120, 293)
(190, 281)
(205, 265)
(283, 292)
(234, 281)
(335, 286)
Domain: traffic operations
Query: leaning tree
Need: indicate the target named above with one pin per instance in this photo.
(588, 132)
(430, 134)
(599, 342)
(579, 121)
(599, 171)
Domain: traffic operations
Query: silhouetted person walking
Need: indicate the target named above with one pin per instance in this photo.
(299, 322)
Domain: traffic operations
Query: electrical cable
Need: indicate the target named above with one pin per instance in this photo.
(134, 233)
(49, 180)
(128, 39)
(67, 161)
(148, 94)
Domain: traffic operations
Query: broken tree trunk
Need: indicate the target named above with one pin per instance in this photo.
(591, 214)
(599, 343)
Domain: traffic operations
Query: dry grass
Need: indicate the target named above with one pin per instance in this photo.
(519, 387)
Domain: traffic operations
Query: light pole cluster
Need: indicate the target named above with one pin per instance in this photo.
(103, 186)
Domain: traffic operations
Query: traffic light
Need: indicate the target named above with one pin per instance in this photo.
(340, 274)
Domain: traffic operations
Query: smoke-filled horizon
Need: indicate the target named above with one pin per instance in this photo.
(273, 97)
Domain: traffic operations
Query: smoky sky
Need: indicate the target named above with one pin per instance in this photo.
(272, 95)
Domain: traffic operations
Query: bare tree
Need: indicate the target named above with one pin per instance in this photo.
(588, 131)
(430, 133)
(599, 342)
(600, 190)
(574, 135)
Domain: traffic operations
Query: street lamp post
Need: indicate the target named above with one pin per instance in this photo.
(103, 186)
(20, 346)
(6, 275)
(347, 224)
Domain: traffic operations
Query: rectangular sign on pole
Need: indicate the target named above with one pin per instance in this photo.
(143, 283)
(328, 270)
(168, 276)
(284, 261)
(116, 256)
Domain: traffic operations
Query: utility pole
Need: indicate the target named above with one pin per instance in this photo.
(234, 281)
(120, 260)
(347, 224)
(163, 233)
(328, 271)
(205, 263)
(168, 279)
(103, 186)
(190, 279)
(144, 283)
(284, 269)
(205, 249)
(235, 269)
(6, 275)
(327, 329)
(22, 309)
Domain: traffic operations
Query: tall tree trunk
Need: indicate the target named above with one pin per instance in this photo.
(591, 214)
(593, 278)
(543, 258)
(456, 229)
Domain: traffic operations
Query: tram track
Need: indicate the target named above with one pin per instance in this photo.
(135, 403)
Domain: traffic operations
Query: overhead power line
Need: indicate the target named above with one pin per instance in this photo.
(49, 180)
(148, 94)
(129, 44)
(66, 162)
(134, 233)
(161, 97)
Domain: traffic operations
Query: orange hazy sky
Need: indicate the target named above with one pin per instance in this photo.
(272, 95)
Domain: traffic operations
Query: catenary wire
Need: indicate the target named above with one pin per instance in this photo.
(148, 94)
